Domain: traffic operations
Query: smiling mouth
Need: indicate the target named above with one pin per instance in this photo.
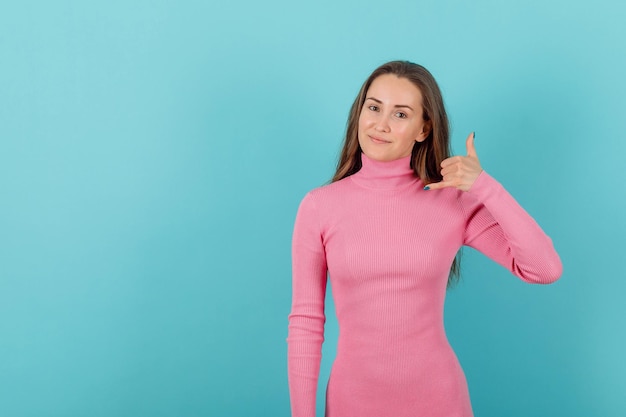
(378, 140)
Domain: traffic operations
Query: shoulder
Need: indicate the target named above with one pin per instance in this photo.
(324, 202)
(328, 193)
(318, 204)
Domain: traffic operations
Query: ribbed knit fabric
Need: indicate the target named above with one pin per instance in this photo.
(387, 246)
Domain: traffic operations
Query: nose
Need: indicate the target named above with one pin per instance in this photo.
(382, 125)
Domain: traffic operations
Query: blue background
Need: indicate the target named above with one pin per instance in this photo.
(153, 155)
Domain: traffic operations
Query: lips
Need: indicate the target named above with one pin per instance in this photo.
(378, 140)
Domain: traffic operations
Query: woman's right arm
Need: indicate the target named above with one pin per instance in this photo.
(306, 321)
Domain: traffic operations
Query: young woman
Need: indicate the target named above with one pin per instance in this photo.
(387, 231)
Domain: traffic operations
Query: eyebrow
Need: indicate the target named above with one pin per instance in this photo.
(397, 105)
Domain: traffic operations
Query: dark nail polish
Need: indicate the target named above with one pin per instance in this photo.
(427, 188)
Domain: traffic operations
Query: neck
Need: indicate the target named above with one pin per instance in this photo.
(385, 174)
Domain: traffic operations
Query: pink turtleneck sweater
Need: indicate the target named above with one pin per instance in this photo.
(387, 246)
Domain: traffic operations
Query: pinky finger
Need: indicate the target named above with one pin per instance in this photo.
(438, 185)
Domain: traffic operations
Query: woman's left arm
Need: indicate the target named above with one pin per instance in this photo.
(496, 224)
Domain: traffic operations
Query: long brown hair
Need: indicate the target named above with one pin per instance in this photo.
(426, 156)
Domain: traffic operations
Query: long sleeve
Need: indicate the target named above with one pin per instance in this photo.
(501, 229)
(306, 321)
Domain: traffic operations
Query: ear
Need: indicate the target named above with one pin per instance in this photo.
(424, 133)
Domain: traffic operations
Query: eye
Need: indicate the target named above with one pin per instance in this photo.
(373, 107)
(401, 115)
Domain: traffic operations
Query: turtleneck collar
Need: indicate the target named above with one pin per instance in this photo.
(385, 174)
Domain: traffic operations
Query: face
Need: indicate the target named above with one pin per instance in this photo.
(391, 119)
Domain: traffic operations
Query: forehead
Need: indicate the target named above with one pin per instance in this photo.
(390, 88)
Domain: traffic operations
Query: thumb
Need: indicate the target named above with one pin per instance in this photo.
(469, 143)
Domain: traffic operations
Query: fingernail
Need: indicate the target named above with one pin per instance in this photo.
(474, 133)
(427, 188)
